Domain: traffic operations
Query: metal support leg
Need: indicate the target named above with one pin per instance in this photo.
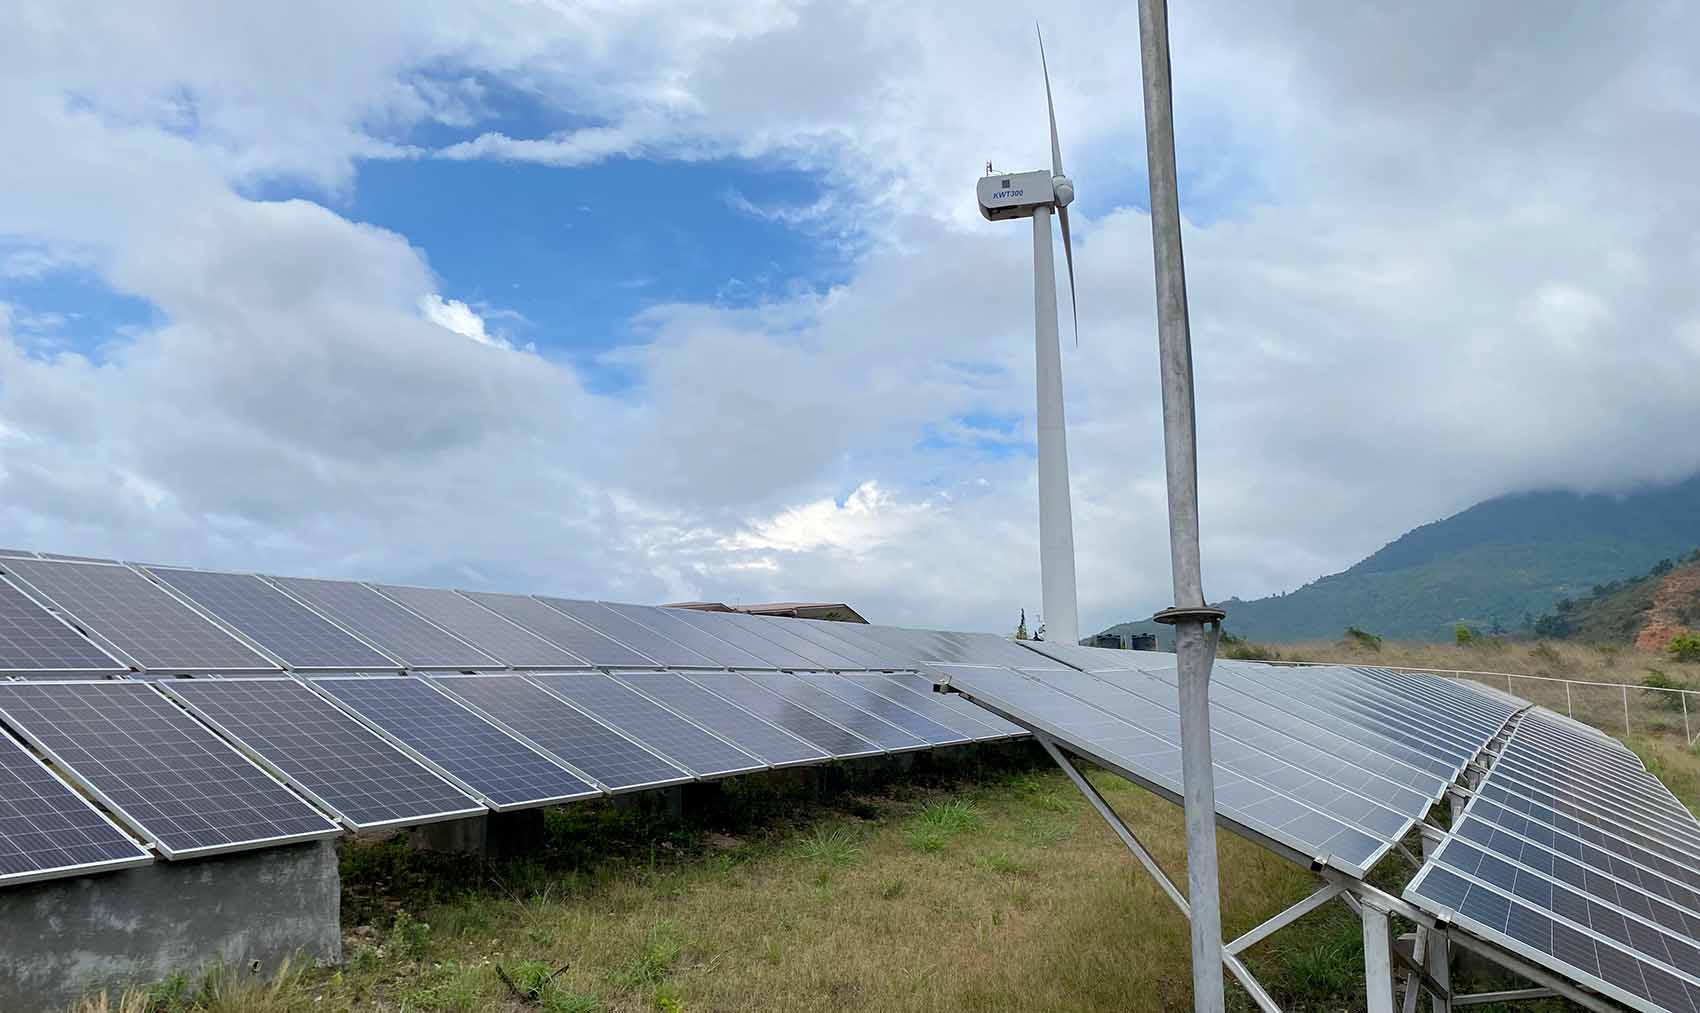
(1378, 961)
(1145, 857)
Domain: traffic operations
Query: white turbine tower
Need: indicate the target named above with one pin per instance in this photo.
(1034, 195)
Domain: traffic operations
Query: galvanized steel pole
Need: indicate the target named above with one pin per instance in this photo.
(1194, 647)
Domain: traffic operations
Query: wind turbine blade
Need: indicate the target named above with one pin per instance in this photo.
(1068, 254)
(1056, 147)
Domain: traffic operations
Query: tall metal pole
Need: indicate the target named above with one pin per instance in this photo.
(1056, 515)
(1194, 647)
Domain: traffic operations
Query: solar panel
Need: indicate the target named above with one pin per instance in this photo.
(136, 616)
(322, 752)
(565, 732)
(481, 628)
(160, 771)
(720, 626)
(917, 683)
(656, 648)
(557, 628)
(641, 718)
(396, 631)
(20, 553)
(76, 559)
(833, 739)
(1153, 758)
(861, 654)
(48, 830)
(273, 620)
(474, 752)
(887, 735)
(928, 704)
(715, 649)
(776, 632)
(885, 708)
(34, 640)
(1572, 855)
(752, 734)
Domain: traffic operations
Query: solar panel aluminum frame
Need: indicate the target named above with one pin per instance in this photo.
(1458, 920)
(55, 614)
(444, 772)
(249, 642)
(1292, 851)
(332, 828)
(89, 630)
(636, 685)
(142, 857)
(690, 776)
(278, 773)
(760, 764)
(277, 585)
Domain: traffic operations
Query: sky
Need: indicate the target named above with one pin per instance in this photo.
(649, 302)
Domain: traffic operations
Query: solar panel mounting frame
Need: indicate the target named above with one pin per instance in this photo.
(71, 774)
(289, 781)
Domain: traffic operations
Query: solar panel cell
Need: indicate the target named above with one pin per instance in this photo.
(324, 752)
(273, 620)
(478, 754)
(135, 615)
(161, 772)
(396, 631)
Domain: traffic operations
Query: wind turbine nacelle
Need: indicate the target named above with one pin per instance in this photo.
(1014, 194)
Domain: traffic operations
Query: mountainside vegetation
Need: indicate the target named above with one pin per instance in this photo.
(1495, 567)
(1650, 612)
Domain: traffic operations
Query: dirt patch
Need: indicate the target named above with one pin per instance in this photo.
(1676, 597)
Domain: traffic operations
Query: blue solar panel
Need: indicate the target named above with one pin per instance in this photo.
(726, 719)
(558, 628)
(273, 620)
(482, 628)
(34, 641)
(328, 755)
(651, 724)
(868, 726)
(478, 754)
(831, 738)
(164, 774)
(395, 630)
(566, 733)
(48, 830)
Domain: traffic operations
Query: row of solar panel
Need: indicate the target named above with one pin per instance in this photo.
(1572, 855)
(1331, 765)
(171, 620)
(207, 765)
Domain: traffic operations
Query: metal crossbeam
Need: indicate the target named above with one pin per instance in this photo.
(1513, 995)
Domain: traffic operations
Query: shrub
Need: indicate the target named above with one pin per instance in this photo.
(1462, 635)
(1684, 647)
(1355, 637)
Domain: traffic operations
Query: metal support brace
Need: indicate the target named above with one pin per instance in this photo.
(1513, 995)
(1419, 952)
(1230, 960)
(1378, 960)
(1416, 976)
(1285, 918)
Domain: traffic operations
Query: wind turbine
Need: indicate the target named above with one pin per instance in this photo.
(1034, 195)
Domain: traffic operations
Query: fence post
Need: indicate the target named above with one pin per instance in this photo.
(1508, 683)
(1626, 730)
(1569, 711)
(1686, 735)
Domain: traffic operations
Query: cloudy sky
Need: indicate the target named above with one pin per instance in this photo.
(656, 301)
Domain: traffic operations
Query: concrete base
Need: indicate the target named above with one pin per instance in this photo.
(493, 836)
(64, 938)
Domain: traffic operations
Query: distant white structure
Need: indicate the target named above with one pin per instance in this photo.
(1034, 195)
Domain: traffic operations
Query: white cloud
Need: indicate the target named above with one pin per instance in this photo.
(460, 318)
(1444, 257)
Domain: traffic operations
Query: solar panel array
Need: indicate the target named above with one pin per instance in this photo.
(619, 706)
(35, 641)
(1324, 788)
(652, 648)
(288, 630)
(485, 759)
(1572, 855)
(136, 616)
(159, 770)
(512, 644)
(48, 830)
(773, 744)
(327, 755)
(380, 621)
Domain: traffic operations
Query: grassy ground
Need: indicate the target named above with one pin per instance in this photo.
(980, 882)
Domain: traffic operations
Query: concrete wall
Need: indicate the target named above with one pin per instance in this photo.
(62, 938)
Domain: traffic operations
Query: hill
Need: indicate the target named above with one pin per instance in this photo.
(1645, 612)
(1497, 565)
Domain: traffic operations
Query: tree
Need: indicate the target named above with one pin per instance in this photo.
(1684, 647)
(1021, 627)
(1662, 567)
(1462, 635)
